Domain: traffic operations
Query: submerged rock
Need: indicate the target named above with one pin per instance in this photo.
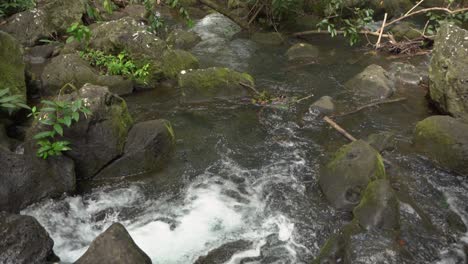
(372, 83)
(448, 72)
(24, 241)
(26, 179)
(324, 105)
(12, 66)
(444, 140)
(379, 208)
(405, 73)
(174, 61)
(114, 246)
(181, 39)
(268, 38)
(345, 177)
(48, 18)
(224, 252)
(148, 146)
(302, 51)
(205, 84)
(383, 141)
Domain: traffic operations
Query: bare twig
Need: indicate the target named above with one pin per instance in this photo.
(414, 7)
(256, 14)
(371, 105)
(377, 45)
(339, 129)
(443, 9)
(304, 98)
(250, 87)
(317, 32)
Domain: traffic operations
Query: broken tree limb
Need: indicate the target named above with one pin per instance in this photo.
(377, 45)
(371, 105)
(422, 11)
(250, 87)
(339, 129)
(213, 5)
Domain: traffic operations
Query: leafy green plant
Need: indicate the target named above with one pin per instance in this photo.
(435, 20)
(10, 7)
(11, 102)
(121, 64)
(55, 115)
(79, 33)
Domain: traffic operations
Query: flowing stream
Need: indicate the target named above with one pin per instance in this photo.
(243, 172)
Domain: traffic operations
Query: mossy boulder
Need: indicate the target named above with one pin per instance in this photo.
(382, 141)
(174, 61)
(268, 38)
(48, 18)
(448, 72)
(345, 177)
(206, 84)
(182, 39)
(337, 249)
(302, 51)
(379, 208)
(12, 66)
(445, 141)
(372, 83)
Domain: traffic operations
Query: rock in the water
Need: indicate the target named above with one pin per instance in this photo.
(114, 246)
(444, 140)
(337, 248)
(48, 18)
(379, 208)
(206, 84)
(174, 61)
(148, 146)
(448, 72)
(12, 66)
(405, 31)
(101, 137)
(24, 241)
(383, 141)
(224, 253)
(71, 68)
(345, 177)
(268, 38)
(181, 39)
(26, 179)
(302, 51)
(324, 105)
(372, 83)
(407, 74)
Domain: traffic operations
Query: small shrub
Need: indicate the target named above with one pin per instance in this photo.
(79, 33)
(11, 102)
(10, 7)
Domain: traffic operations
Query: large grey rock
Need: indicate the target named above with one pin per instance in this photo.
(382, 141)
(206, 84)
(148, 146)
(444, 140)
(181, 39)
(114, 246)
(48, 18)
(101, 137)
(379, 208)
(24, 241)
(26, 179)
(12, 66)
(71, 68)
(345, 177)
(224, 253)
(372, 83)
(448, 72)
(324, 105)
(174, 61)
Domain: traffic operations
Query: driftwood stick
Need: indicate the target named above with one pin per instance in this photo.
(250, 87)
(339, 129)
(377, 45)
(304, 98)
(371, 105)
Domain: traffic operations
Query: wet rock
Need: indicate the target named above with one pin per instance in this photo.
(456, 222)
(448, 72)
(114, 246)
(345, 177)
(24, 241)
(224, 252)
(302, 51)
(71, 68)
(324, 105)
(174, 61)
(135, 11)
(445, 141)
(268, 38)
(48, 18)
(379, 208)
(26, 179)
(383, 141)
(405, 31)
(205, 84)
(181, 39)
(337, 248)
(373, 83)
(148, 146)
(12, 66)
(405, 73)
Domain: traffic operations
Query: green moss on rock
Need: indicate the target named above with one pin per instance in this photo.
(174, 61)
(12, 66)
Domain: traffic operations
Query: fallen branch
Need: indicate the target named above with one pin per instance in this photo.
(371, 105)
(226, 13)
(377, 45)
(304, 98)
(250, 87)
(339, 129)
(318, 32)
(446, 10)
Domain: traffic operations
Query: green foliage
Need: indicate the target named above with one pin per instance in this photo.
(435, 19)
(281, 9)
(11, 102)
(121, 64)
(174, 4)
(55, 115)
(79, 33)
(10, 7)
